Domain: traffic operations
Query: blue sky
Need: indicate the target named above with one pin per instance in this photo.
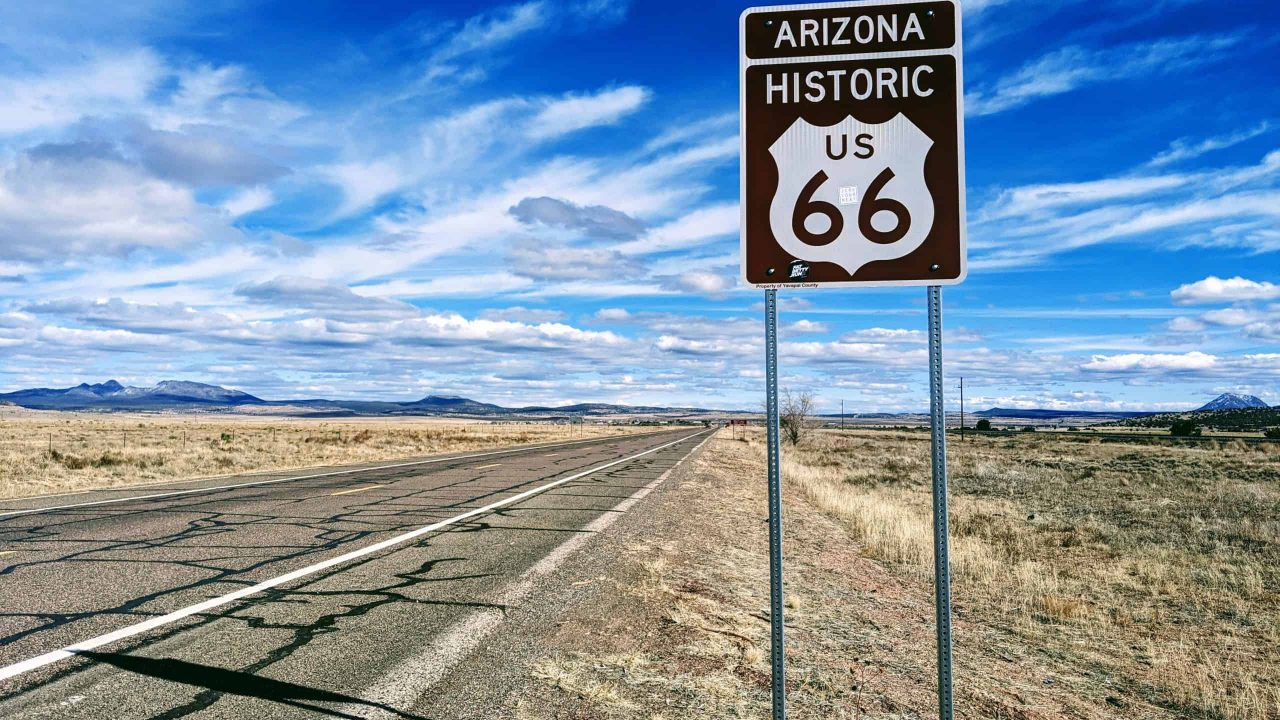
(537, 202)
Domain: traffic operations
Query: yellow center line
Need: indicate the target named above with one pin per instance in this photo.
(8, 552)
(354, 490)
(485, 467)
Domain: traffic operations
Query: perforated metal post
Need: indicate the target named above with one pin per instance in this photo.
(775, 504)
(941, 553)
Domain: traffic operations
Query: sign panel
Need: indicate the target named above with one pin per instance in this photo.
(852, 144)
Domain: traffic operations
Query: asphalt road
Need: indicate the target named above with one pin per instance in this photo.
(340, 593)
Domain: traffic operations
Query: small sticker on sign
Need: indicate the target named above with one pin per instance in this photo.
(799, 270)
(849, 195)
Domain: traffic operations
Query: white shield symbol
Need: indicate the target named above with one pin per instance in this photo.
(882, 166)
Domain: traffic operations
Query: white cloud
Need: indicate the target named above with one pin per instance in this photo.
(1214, 289)
(81, 199)
(1185, 149)
(886, 335)
(1185, 325)
(807, 326)
(1267, 329)
(523, 314)
(491, 284)
(248, 200)
(452, 328)
(1235, 206)
(480, 144)
(700, 282)
(695, 228)
(112, 340)
(1071, 67)
(489, 30)
(575, 112)
(221, 96)
(543, 260)
(613, 314)
(363, 183)
(62, 95)
(1039, 198)
(1149, 362)
(155, 319)
(1231, 317)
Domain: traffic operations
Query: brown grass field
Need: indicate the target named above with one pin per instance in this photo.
(1156, 566)
(1091, 580)
(54, 452)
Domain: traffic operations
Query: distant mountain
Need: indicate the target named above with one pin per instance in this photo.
(111, 395)
(180, 395)
(1232, 401)
(456, 405)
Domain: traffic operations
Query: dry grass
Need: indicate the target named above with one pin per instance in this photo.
(49, 452)
(1092, 581)
(1156, 567)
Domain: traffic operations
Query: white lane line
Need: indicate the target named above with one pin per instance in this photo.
(137, 628)
(354, 490)
(14, 513)
(412, 677)
(486, 467)
(8, 552)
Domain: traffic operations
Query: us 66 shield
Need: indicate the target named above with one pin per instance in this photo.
(852, 145)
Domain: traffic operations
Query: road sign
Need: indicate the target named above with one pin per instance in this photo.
(853, 175)
(852, 144)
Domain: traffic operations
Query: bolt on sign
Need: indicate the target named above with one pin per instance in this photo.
(852, 144)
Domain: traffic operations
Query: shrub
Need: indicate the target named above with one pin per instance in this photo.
(984, 424)
(1184, 428)
(1272, 432)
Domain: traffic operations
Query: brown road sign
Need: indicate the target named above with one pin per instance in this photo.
(852, 144)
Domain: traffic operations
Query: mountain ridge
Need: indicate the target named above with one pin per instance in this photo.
(111, 394)
(185, 394)
(1232, 401)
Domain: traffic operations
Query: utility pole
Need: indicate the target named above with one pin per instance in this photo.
(962, 409)
(841, 414)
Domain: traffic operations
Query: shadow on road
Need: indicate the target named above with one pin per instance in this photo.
(239, 683)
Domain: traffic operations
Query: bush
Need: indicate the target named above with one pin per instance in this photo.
(1184, 428)
(1272, 432)
(1029, 428)
(984, 424)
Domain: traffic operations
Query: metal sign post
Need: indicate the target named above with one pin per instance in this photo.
(775, 504)
(941, 553)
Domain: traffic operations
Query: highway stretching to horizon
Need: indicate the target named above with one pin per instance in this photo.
(344, 592)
